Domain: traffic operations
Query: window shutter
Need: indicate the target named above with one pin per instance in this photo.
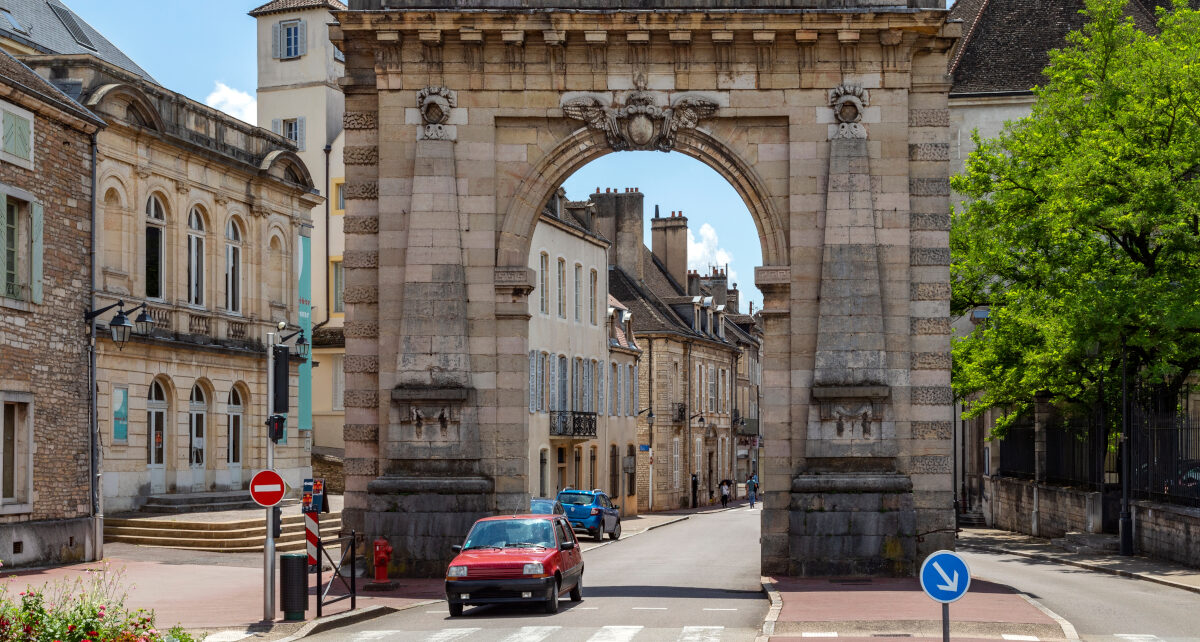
(553, 382)
(275, 46)
(3, 243)
(620, 381)
(637, 402)
(541, 382)
(277, 126)
(302, 36)
(300, 130)
(35, 271)
(532, 381)
(600, 388)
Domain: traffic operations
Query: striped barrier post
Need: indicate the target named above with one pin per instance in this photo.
(312, 536)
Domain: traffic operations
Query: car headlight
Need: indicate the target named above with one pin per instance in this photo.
(533, 569)
(457, 571)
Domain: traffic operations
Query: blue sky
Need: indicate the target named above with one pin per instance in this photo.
(206, 51)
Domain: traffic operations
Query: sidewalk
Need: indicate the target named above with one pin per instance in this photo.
(867, 609)
(1136, 567)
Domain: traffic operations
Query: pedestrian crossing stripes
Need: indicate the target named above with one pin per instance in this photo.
(542, 633)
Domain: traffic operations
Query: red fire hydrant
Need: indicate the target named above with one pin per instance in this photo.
(383, 555)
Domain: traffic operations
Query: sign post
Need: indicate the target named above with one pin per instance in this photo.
(269, 541)
(945, 578)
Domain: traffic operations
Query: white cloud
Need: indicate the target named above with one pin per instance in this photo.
(706, 253)
(234, 102)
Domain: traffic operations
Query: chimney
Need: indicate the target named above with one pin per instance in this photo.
(668, 239)
(733, 300)
(618, 217)
(693, 283)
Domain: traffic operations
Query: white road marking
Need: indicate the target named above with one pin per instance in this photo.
(531, 634)
(363, 636)
(228, 636)
(649, 608)
(446, 635)
(615, 634)
(720, 609)
(1139, 637)
(1014, 636)
(437, 611)
(586, 608)
(701, 634)
(819, 634)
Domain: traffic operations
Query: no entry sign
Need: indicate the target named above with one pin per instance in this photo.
(267, 488)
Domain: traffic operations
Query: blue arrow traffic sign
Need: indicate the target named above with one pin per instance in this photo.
(945, 577)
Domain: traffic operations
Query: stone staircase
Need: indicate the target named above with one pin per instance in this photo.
(971, 519)
(175, 503)
(1077, 542)
(243, 536)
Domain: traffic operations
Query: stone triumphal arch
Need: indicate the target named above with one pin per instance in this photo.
(830, 119)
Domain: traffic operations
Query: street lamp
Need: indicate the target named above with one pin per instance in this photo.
(120, 326)
(303, 348)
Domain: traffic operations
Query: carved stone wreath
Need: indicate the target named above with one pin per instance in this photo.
(848, 102)
(435, 104)
(641, 123)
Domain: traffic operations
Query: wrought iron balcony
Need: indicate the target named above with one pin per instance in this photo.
(572, 424)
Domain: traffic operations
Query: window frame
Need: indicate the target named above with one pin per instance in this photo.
(290, 50)
(233, 267)
(159, 408)
(120, 393)
(235, 411)
(195, 258)
(578, 293)
(337, 276)
(23, 418)
(592, 299)
(337, 197)
(544, 283)
(562, 288)
(160, 225)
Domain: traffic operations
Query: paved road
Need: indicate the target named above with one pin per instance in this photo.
(697, 580)
(1102, 607)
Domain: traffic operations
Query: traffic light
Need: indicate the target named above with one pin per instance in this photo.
(276, 424)
(279, 396)
(276, 522)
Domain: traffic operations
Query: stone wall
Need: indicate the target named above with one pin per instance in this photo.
(44, 350)
(329, 467)
(1167, 532)
(1056, 510)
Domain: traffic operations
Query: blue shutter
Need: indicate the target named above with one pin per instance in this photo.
(553, 382)
(302, 38)
(35, 270)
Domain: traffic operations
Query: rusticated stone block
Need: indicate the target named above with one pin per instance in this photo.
(930, 361)
(368, 363)
(930, 464)
(359, 120)
(362, 259)
(361, 294)
(938, 222)
(361, 155)
(929, 186)
(927, 326)
(360, 224)
(929, 256)
(361, 399)
(363, 191)
(928, 429)
(929, 118)
(932, 396)
(362, 467)
(924, 151)
(930, 292)
(360, 330)
(360, 432)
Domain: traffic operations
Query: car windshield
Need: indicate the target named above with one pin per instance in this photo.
(511, 533)
(542, 507)
(577, 499)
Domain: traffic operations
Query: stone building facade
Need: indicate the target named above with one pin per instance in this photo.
(47, 509)
(200, 217)
(830, 118)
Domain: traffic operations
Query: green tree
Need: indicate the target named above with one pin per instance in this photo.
(1081, 228)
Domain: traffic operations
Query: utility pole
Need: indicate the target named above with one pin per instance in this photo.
(269, 541)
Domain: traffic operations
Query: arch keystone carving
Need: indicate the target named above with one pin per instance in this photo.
(640, 124)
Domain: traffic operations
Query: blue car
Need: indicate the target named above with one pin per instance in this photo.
(591, 512)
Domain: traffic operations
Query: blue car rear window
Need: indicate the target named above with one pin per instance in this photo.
(576, 499)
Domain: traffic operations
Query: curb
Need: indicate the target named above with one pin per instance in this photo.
(350, 617)
(648, 529)
(1092, 567)
(1068, 629)
(768, 625)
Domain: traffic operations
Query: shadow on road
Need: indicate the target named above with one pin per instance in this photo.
(674, 592)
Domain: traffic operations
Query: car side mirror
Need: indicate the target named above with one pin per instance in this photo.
(616, 507)
(566, 546)
(457, 548)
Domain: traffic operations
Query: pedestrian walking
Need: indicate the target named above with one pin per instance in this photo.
(725, 494)
(752, 489)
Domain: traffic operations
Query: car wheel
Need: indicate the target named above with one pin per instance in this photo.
(577, 590)
(456, 610)
(616, 532)
(597, 534)
(552, 603)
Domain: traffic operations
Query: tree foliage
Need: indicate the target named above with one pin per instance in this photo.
(1081, 231)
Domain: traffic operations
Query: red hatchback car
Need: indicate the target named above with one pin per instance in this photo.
(513, 559)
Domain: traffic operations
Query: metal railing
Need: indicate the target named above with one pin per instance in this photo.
(569, 423)
(351, 586)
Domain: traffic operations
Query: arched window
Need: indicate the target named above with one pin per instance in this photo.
(233, 266)
(275, 279)
(195, 276)
(198, 422)
(544, 284)
(235, 410)
(114, 231)
(156, 220)
(156, 423)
